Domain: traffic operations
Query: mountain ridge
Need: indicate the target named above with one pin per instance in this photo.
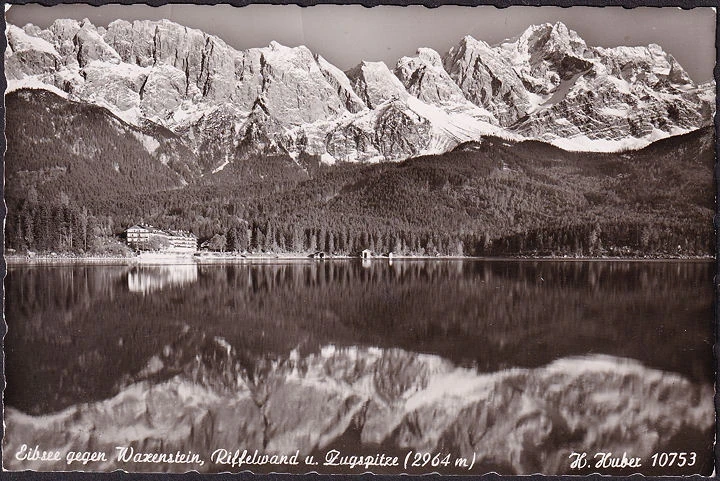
(544, 84)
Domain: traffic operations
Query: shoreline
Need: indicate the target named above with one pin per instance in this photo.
(185, 259)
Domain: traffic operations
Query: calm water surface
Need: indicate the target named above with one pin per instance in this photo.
(84, 334)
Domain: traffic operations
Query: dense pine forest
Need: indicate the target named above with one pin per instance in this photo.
(76, 177)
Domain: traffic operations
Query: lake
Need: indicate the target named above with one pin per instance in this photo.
(514, 364)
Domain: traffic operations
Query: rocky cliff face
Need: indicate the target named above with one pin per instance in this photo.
(425, 78)
(545, 84)
(546, 55)
(589, 96)
(199, 394)
(375, 84)
(487, 80)
(341, 83)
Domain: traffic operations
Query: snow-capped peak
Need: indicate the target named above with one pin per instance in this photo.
(425, 77)
(430, 56)
(375, 83)
(470, 42)
(545, 40)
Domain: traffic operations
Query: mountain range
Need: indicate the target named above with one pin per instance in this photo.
(226, 104)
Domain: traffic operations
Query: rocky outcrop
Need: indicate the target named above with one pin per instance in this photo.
(207, 61)
(134, 42)
(295, 89)
(546, 55)
(398, 132)
(119, 87)
(424, 77)
(29, 55)
(374, 83)
(91, 46)
(341, 83)
(646, 66)
(163, 92)
(390, 132)
(487, 80)
(602, 107)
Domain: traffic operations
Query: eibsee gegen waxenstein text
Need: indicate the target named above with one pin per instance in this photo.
(123, 454)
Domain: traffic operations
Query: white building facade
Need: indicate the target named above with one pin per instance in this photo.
(149, 238)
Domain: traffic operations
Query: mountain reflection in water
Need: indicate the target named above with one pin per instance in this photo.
(197, 396)
(522, 362)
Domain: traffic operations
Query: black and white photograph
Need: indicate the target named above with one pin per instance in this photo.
(336, 239)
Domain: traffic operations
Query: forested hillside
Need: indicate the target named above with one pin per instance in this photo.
(75, 173)
(67, 163)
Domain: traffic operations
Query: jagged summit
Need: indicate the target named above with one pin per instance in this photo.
(375, 83)
(425, 77)
(430, 56)
(545, 83)
(558, 32)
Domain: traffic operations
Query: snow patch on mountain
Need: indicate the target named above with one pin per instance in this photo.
(328, 159)
(19, 41)
(220, 167)
(33, 83)
(450, 129)
(582, 143)
(150, 143)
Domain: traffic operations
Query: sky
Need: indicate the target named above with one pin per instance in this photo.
(347, 34)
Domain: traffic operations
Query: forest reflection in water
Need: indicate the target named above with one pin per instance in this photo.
(70, 326)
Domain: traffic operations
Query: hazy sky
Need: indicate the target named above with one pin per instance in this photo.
(345, 35)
